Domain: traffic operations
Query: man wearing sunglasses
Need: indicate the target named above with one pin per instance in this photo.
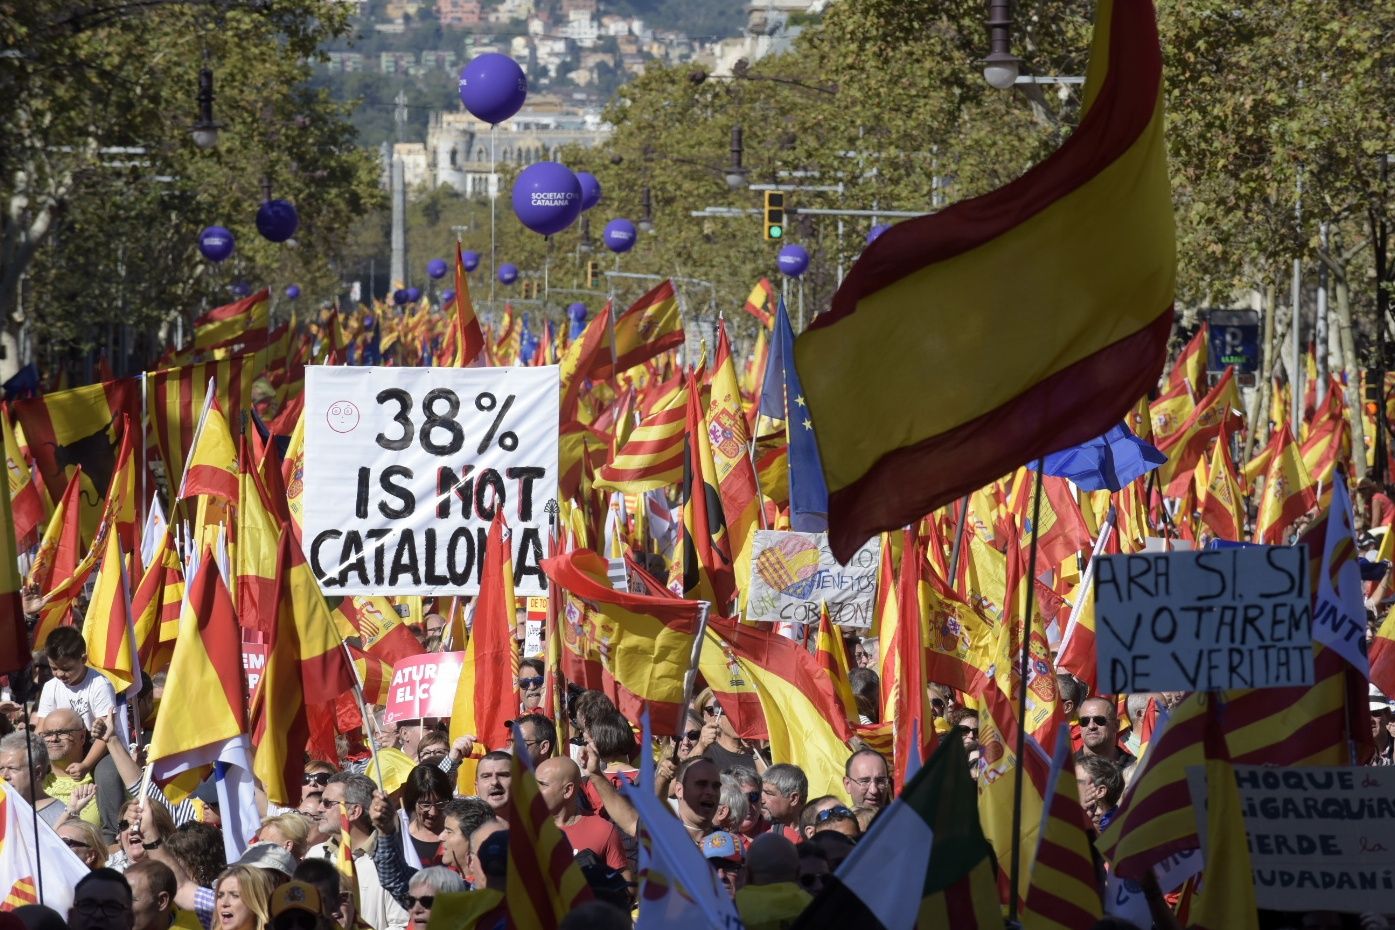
(530, 684)
(1099, 732)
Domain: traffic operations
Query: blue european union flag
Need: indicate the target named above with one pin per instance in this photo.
(808, 492)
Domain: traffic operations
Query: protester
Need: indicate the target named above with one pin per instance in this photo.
(269, 857)
(461, 817)
(698, 788)
(432, 748)
(1099, 732)
(539, 735)
(336, 903)
(733, 807)
(530, 684)
(866, 687)
(297, 905)
(195, 853)
(152, 894)
(726, 856)
(828, 813)
(350, 796)
(143, 827)
(290, 831)
(728, 750)
(784, 789)
(813, 868)
(424, 794)
(559, 783)
(867, 779)
(101, 901)
(16, 751)
(1100, 782)
(771, 898)
(425, 886)
(492, 779)
(243, 898)
(65, 739)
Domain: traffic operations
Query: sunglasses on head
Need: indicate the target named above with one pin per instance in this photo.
(526, 683)
(75, 844)
(1097, 721)
(826, 815)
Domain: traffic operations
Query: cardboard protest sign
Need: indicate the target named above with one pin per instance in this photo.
(1213, 620)
(405, 468)
(793, 574)
(1320, 837)
(423, 686)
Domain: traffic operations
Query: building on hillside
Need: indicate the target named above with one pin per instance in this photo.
(570, 6)
(344, 62)
(399, 10)
(396, 62)
(414, 163)
(458, 14)
(438, 60)
(510, 10)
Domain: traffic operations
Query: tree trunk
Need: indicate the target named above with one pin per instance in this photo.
(1351, 365)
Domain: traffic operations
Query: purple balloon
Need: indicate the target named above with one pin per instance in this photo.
(413, 294)
(293, 291)
(436, 268)
(546, 197)
(508, 273)
(277, 220)
(493, 87)
(241, 288)
(793, 260)
(471, 260)
(399, 296)
(217, 243)
(576, 312)
(877, 231)
(619, 235)
(590, 189)
(447, 296)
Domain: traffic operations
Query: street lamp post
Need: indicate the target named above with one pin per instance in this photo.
(1001, 67)
(205, 130)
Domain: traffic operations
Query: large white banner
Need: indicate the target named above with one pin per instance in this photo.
(405, 468)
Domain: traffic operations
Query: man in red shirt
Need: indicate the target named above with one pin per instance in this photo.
(559, 784)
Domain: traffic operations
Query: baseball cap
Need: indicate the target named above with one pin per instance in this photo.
(722, 845)
(268, 856)
(295, 896)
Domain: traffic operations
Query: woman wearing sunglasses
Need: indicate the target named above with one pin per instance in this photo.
(727, 751)
(422, 892)
(142, 828)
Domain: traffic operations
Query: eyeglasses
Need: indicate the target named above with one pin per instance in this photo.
(75, 844)
(528, 684)
(881, 781)
(318, 779)
(430, 806)
(425, 901)
(1096, 721)
(107, 909)
(838, 811)
(692, 736)
(53, 736)
(713, 710)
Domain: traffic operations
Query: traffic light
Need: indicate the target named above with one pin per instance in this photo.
(590, 275)
(774, 214)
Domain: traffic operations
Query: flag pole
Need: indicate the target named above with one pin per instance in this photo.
(363, 712)
(959, 538)
(1087, 579)
(690, 677)
(34, 808)
(1026, 661)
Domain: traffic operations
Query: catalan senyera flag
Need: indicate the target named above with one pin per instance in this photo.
(14, 637)
(647, 640)
(544, 882)
(60, 547)
(242, 321)
(109, 627)
(80, 427)
(652, 325)
(1064, 892)
(803, 717)
(157, 600)
(26, 503)
(176, 398)
(1382, 655)
(207, 662)
(344, 856)
(1090, 238)
(1220, 502)
(211, 467)
(305, 666)
(652, 457)
(487, 693)
(1227, 897)
(469, 338)
(374, 675)
(1269, 726)
(1289, 490)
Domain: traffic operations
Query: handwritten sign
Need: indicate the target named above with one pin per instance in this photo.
(423, 686)
(1321, 838)
(406, 467)
(1213, 620)
(794, 574)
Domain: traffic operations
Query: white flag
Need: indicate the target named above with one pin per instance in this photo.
(22, 853)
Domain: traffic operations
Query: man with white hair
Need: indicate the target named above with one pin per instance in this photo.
(15, 768)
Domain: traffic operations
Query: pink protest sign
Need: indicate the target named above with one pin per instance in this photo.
(423, 686)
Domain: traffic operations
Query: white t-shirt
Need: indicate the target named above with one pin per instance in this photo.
(92, 698)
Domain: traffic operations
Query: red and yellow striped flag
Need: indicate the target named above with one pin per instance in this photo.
(648, 639)
(652, 457)
(176, 396)
(832, 657)
(26, 503)
(243, 321)
(761, 299)
(1090, 239)
(544, 882)
(465, 328)
(344, 856)
(157, 600)
(14, 637)
(1064, 893)
(108, 627)
(652, 325)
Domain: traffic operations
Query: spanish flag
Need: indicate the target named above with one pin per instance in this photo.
(14, 638)
(243, 321)
(465, 328)
(580, 357)
(758, 304)
(26, 501)
(1222, 507)
(652, 325)
(1064, 278)
(108, 627)
(647, 641)
(212, 464)
(1289, 490)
